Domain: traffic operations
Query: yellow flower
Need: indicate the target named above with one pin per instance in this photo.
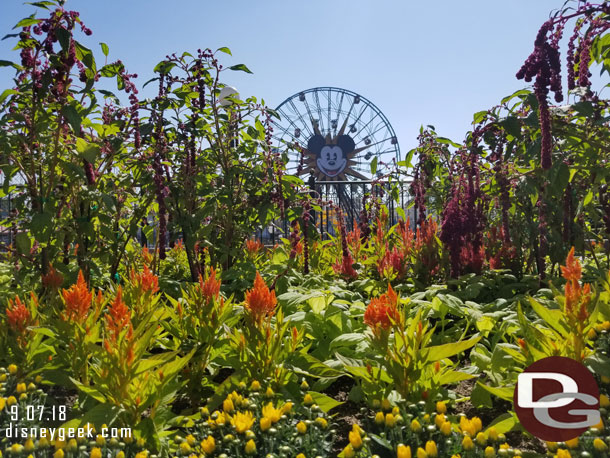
(265, 424)
(490, 452)
(492, 433)
(415, 426)
(552, 446)
(355, 440)
(308, 400)
(121, 454)
(390, 420)
(605, 379)
(476, 422)
(255, 386)
(561, 453)
(16, 448)
(301, 455)
(304, 385)
(100, 440)
(228, 406)
(600, 445)
(21, 388)
(456, 456)
(269, 393)
(23, 396)
(481, 439)
(404, 451)
(441, 407)
(242, 421)
(29, 445)
(321, 422)
(250, 447)
(379, 418)
(185, 447)
(348, 452)
(96, 452)
(439, 420)
(286, 408)
(59, 454)
(2, 403)
(12, 369)
(604, 401)
(272, 413)
(221, 418)
(572, 443)
(504, 446)
(446, 428)
(385, 404)
(208, 445)
(467, 443)
(11, 400)
(421, 453)
(591, 334)
(431, 449)
(301, 427)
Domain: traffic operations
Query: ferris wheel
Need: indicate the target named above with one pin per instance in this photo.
(336, 134)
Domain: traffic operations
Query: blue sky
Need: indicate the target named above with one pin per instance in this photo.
(419, 62)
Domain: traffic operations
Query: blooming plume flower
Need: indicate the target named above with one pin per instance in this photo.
(577, 298)
(210, 288)
(382, 311)
(118, 317)
(53, 279)
(260, 301)
(78, 300)
(145, 281)
(253, 247)
(18, 315)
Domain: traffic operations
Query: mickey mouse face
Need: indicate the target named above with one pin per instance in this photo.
(331, 158)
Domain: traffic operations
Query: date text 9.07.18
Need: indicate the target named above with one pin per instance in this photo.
(37, 413)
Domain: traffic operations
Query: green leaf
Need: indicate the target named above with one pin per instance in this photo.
(438, 352)
(64, 38)
(374, 166)
(349, 339)
(554, 318)
(164, 67)
(41, 226)
(225, 50)
(240, 68)
(23, 242)
(588, 198)
(105, 49)
(30, 20)
(87, 150)
(504, 423)
(325, 402)
(505, 392)
(479, 116)
(73, 117)
(6, 93)
(8, 63)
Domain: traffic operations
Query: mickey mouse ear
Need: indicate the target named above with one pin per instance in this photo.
(316, 143)
(346, 143)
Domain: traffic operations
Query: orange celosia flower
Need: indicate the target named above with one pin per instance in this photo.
(78, 300)
(576, 298)
(118, 317)
(260, 301)
(382, 311)
(210, 288)
(18, 315)
(253, 246)
(572, 270)
(146, 280)
(53, 279)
